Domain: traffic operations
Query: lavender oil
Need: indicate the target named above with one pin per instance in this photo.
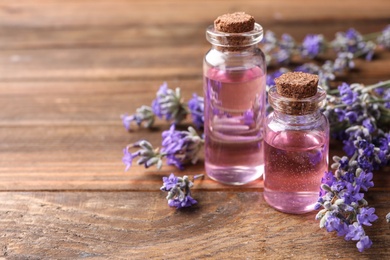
(233, 125)
(296, 144)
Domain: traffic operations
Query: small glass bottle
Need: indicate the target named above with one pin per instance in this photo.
(296, 143)
(234, 90)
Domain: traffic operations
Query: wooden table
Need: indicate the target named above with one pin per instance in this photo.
(69, 69)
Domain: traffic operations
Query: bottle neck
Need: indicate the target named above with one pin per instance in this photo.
(306, 119)
(234, 41)
(236, 49)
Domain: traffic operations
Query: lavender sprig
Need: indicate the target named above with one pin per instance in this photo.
(349, 43)
(167, 105)
(178, 148)
(179, 190)
(367, 148)
(346, 45)
(148, 156)
(144, 115)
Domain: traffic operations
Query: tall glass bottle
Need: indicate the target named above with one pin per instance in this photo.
(234, 90)
(296, 148)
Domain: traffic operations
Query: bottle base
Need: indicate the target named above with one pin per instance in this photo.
(291, 202)
(238, 175)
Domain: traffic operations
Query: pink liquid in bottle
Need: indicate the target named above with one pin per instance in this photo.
(295, 162)
(234, 115)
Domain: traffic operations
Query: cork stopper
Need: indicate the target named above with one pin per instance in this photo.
(297, 85)
(238, 22)
(299, 92)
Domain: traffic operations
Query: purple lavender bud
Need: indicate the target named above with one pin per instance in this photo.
(355, 232)
(364, 243)
(126, 120)
(308, 68)
(340, 114)
(312, 45)
(351, 116)
(369, 125)
(349, 148)
(384, 39)
(181, 147)
(168, 104)
(188, 201)
(333, 223)
(128, 158)
(343, 61)
(348, 96)
(352, 193)
(196, 107)
(169, 182)
(366, 216)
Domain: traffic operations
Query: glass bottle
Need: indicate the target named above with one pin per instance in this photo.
(234, 89)
(296, 151)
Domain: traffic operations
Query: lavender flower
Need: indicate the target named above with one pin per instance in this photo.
(181, 147)
(269, 41)
(178, 147)
(168, 104)
(352, 42)
(355, 232)
(179, 190)
(169, 182)
(308, 68)
(364, 243)
(143, 114)
(367, 148)
(196, 107)
(326, 74)
(148, 155)
(348, 96)
(128, 158)
(384, 38)
(366, 216)
(286, 49)
(312, 45)
(343, 62)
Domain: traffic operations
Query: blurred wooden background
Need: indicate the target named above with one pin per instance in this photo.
(69, 69)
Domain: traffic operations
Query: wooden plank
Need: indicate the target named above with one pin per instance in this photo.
(59, 103)
(88, 157)
(139, 225)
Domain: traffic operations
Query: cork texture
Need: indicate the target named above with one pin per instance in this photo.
(238, 22)
(297, 85)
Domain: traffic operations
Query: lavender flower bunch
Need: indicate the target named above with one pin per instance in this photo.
(368, 148)
(347, 46)
(167, 105)
(178, 148)
(179, 190)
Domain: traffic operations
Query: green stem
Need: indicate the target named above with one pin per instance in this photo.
(378, 101)
(371, 36)
(377, 85)
(366, 89)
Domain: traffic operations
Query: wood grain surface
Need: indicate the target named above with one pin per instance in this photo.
(69, 69)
